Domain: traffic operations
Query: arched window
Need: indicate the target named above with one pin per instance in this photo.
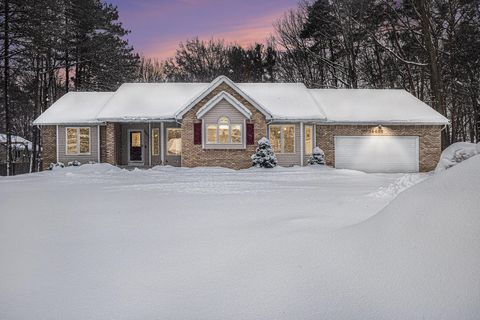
(223, 132)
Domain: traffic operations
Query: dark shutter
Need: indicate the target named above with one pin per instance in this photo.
(250, 134)
(197, 133)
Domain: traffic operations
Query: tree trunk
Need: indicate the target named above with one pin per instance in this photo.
(6, 69)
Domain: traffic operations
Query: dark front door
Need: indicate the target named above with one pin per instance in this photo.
(136, 146)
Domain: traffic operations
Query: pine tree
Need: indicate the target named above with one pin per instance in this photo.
(264, 156)
(317, 157)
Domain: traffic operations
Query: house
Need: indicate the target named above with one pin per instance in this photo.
(21, 153)
(219, 124)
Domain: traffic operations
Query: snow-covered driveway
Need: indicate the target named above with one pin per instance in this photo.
(97, 242)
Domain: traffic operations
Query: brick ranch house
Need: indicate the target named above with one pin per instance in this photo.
(219, 124)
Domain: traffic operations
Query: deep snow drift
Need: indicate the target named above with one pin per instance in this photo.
(456, 153)
(97, 242)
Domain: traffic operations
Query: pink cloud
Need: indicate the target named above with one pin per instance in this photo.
(254, 30)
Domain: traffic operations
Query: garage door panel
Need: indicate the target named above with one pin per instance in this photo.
(377, 153)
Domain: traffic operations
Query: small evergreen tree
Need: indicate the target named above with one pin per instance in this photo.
(317, 157)
(264, 156)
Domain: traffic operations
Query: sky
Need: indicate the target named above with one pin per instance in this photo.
(158, 26)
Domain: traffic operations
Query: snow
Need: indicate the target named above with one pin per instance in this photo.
(17, 141)
(142, 101)
(456, 153)
(375, 106)
(283, 101)
(75, 107)
(98, 242)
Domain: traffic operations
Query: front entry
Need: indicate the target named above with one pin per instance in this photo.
(135, 143)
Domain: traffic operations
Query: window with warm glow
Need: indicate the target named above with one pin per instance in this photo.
(136, 138)
(236, 133)
(308, 140)
(155, 141)
(282, 138)
(212, 133)
(224, 132)
(78, 141)
(174, 141)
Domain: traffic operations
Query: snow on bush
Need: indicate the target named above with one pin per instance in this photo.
(456, 153)
(317, 157)
(74, 163)
(264, 156)
(56, 165)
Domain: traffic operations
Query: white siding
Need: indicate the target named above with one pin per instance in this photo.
(223, 109)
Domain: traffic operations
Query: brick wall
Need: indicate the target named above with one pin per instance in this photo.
(49, 140)
(193, 155)
(103, 144)
(430, 146)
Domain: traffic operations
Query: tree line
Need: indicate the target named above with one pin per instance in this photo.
(428, 47)
(49, 47)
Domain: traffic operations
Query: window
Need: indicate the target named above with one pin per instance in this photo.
(174, 141)
(224, 133)
(308, 140)
(282, 138)
(155, 141)
(223, 130)
(78, 141)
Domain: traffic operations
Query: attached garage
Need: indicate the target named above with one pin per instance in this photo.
(377, 153)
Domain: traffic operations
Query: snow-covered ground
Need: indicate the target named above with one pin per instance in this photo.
(98, 242)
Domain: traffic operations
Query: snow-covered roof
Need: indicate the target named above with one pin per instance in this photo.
(75, 107)
(17, 141)
(149, 101)
(278, 101)
(375, 106)
(286, 101)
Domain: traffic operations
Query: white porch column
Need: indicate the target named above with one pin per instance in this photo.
(98, 143)
(162, 142)
(150, 144)
(302, 151)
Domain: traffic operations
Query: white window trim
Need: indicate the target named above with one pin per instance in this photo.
(230, 143)
(78, 153)
(282, 143)
(166, 138)
(153, 142)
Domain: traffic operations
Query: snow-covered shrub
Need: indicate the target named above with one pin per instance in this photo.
(74, 163)
(56, 165)
(456, 153)
(264, 156)
(317, 157)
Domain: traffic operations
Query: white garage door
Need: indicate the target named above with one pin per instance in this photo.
(377, 154)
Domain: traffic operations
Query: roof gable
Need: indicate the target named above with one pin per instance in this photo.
(215, 83)
(230, 99)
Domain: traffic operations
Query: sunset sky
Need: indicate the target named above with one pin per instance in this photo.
(159, 25)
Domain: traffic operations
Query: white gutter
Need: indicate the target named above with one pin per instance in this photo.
(57, 144)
